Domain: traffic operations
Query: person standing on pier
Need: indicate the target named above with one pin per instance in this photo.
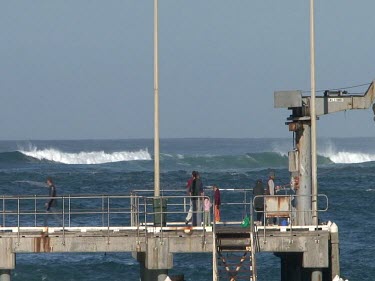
(51, 203)
(271, 185)
(196, 190)
(207, 206)
(52, 194)
(188, 187)
(271, 191)
(258, 193)
(217, 202)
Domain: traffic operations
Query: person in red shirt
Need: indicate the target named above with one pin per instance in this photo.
(217, 203)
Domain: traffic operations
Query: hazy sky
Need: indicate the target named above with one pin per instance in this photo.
(84, 69)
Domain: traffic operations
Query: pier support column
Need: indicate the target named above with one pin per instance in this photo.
(5, 275)
(7, 259)
(152, 274)
(149, 274)
(335, 251)
(317, 275)
(303, 144)
(155, 262)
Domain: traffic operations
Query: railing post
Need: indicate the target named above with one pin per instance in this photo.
(161, 218)
(291, 219)
(3, 211)
(145, 214)
(245, 202)
(18, 219)
(204, 222)
(108, 211)
(264, 218)
(131, 210)
(69, 210)
(316, 211)
(214, 249)
(35, 210)
(137, 199)
(138, 219)
(102, 210)
(63, 219)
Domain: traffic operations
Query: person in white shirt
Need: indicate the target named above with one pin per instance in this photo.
(271, 185)
(271, 191)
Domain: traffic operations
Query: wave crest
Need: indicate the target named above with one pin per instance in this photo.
(351, 157)
(87, 158)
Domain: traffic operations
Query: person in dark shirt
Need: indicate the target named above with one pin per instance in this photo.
(217, 202)
(196, 189)
(259, 201)
(51, 202)
(52, 194)
(188, 187)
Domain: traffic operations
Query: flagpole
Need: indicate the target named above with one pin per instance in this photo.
(156, 106)
(314, 181)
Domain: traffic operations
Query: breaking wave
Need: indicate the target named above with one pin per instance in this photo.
(351, 157)
(88, 158)
(177, 161)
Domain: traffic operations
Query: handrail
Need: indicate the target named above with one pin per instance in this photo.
(291, 210)
(107, 210)
(26, 206)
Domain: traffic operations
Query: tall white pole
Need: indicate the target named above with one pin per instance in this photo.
(156, 105)
(313, 120)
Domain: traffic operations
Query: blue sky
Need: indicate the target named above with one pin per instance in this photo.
(84, 69)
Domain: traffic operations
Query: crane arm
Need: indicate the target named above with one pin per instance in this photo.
(334, 101)
(330, 102)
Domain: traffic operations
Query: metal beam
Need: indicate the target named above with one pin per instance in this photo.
(328, 104)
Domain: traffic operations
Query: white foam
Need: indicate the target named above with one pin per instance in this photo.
(32, 183)
(280, 148)
(350, 157)
(94, 157)
(279, 151)
(345, 157)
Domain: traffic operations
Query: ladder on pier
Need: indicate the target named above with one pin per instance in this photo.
(234, 254)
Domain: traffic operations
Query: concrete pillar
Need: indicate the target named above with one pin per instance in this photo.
(5, 275)
(335, 251)
(303, 144)
(317, 275)
(7, 259)
(152, 274)
(154, 263)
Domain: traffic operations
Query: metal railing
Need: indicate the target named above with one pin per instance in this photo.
(109, 210)
(283, 208)
(235, 203)
(68, 213)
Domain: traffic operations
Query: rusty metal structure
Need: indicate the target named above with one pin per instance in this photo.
(323, 265)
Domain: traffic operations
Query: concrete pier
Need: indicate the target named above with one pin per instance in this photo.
(303, 249)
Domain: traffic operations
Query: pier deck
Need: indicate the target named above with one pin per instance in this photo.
(132, 224)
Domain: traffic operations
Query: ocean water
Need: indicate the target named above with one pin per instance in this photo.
(346, 176)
